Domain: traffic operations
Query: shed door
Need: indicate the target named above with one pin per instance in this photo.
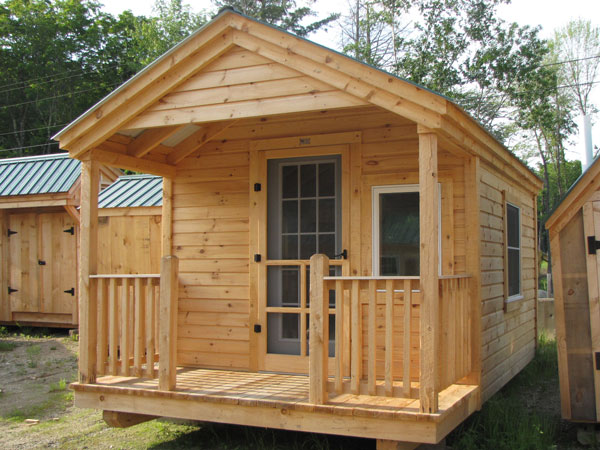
(591, 225)
(23, 266)
(304, 210)
(58, 271)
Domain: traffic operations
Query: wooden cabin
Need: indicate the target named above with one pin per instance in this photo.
(574, 229)
(343, 251)
(39, 234)
(39, 215)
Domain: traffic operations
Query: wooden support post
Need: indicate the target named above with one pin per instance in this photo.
(429, 266)
(167, 217)
(167, 341)
(473, 245)
(384, 444)
(88, 307)
(319, 330)
(117, 419)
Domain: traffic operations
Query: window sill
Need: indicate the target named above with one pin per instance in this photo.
(512, 303)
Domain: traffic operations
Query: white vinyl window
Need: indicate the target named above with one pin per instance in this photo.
(513, 251)
(396, 230)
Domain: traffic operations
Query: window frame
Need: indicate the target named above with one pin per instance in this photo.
(510, 200)
(393, 189)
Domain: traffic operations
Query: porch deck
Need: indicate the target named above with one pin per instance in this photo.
(279, 401)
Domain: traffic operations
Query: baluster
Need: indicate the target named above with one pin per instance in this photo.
(372, 323)
(356, 341)
(102, 354)
(150, 331)
(125, 327)
(406, 343)
(389, 338)
(303, 305)
(339, 336)
(113, 332)
(139, 316)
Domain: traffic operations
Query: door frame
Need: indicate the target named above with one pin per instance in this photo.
(260, 152)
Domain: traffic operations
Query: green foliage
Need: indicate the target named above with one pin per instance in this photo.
(61, 385)
(504, 421)
(7, 346)
(281, 13)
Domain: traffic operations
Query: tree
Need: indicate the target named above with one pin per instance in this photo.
(281, 13)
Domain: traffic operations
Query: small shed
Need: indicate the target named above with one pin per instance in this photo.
(574, 229)
(343, 251)
(39, 241)
(129, 225)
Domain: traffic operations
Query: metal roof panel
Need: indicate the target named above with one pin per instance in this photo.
(132, 191)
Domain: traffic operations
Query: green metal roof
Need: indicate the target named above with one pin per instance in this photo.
(48, 174)
(132, 191)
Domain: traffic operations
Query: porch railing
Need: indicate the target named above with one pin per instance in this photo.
(136, 321)
(377, 333)
(127, 325)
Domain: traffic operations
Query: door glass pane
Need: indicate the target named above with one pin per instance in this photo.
(289, 181)
(308, 180)
(308, 246)
(326, 179)
(283, 333)
(289, 248)
(289, 216)
(308, 216)
(327, 244)
(326, 215)
(399, 233)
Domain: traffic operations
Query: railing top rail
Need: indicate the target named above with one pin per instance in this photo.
(455, 277)
(120, 275)
(370, 278)
(300, 262)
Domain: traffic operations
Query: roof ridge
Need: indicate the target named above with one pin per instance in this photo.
(19, 159)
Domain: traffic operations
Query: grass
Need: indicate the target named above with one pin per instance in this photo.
(57, 402)
(6, 346)
(514, 418)
(60, 386)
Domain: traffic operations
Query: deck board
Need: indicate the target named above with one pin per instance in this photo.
(284, 391)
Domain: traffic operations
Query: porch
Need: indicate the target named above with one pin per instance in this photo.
(280, 401)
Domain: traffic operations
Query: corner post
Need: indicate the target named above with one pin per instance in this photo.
(167, 339)
(167, 217)
(429, 269)
(319, 330)
(88, 301)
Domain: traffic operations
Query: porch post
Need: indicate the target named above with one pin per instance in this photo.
(429, 269)
(167, 334)
(319, 330)
(88, 302)
(167, 217)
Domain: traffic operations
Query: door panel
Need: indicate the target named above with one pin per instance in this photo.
(304, 217)
(59, 273)
(23, 266)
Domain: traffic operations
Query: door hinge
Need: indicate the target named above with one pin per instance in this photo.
(71, 231)
(11, 290)
(41, 263)
(257, 328)
(344, 254)
(70, 291)
(10, 232)
(257, 257)
(257, 187)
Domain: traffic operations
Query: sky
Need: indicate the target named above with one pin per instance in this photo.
(549, 14)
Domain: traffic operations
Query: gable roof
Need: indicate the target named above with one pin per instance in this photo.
(579, 193)
(140, 104)
(132, 191)
(48, 174)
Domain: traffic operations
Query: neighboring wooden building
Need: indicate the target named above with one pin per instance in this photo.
(39, 216)
(275, 151)
(129, 225)
(574, 229)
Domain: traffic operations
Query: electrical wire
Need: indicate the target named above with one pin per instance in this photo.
(4, 150)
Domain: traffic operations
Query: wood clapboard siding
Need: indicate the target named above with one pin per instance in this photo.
(211, 221)
(129, 243)
(508, 337)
